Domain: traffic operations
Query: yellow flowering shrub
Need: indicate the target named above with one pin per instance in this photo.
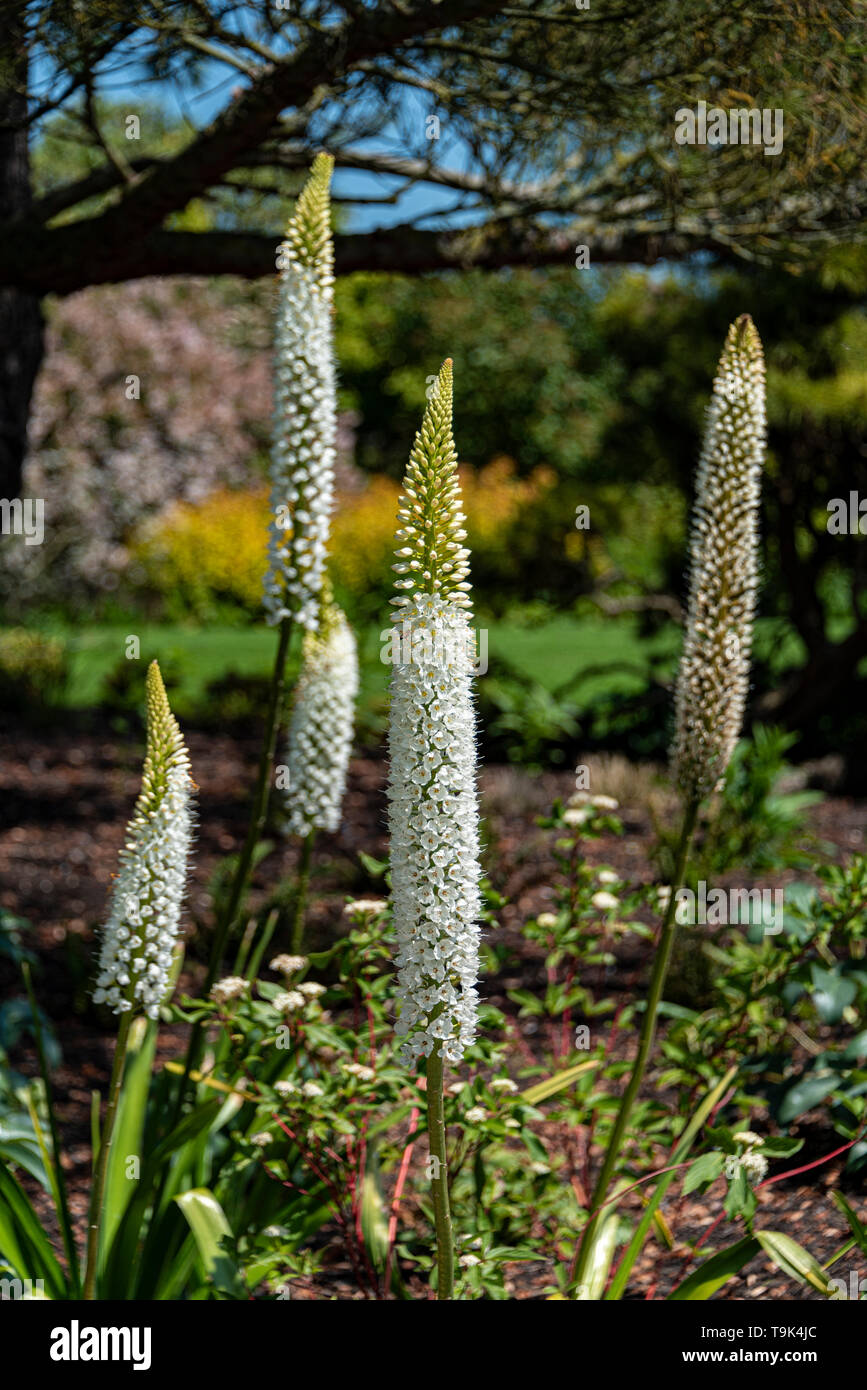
(206, 560)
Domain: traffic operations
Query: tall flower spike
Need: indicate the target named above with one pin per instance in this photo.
(139, 937)
(714, 667)
(305, 408)
(433, 802)
(320, 730)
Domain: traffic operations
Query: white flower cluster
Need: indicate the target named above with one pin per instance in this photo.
(287, 965)
(305, 409)
(320, 730)
(231, 987)
(754, 1165)
(433, 801)
(714, 668)
(139, 937)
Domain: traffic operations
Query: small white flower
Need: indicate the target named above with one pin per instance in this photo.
(311, 1089)
(288, 965)
(503, 1083)
(476, 1114)
(365, 907)
(608, 876)
(547, 920)
(605, 902)
(748, 1137)
(576, 815)
(605, 803)
(261, 1140)
(275, 1232)
(468, 1261)
(285, 1088)
(232, 987)
(357, 1069)
(288, 1001)
(755, 1166)
(310, 989)
(663, 895)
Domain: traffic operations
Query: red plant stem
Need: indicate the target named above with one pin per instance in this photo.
(817, 1163)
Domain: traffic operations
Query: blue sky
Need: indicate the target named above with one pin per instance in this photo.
(202, 102)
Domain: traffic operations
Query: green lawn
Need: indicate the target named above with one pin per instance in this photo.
(552, 654)
(592, 657)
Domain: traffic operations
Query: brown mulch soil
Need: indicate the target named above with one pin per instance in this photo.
(65, 797)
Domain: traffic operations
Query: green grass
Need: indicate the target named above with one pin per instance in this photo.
(552, 654)
(582, 659)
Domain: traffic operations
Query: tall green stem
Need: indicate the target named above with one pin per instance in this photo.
(436, 1129)
(645, 1045)
(97, 1195)
(241, 877)
(301, 892)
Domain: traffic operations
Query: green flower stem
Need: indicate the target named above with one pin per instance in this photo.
(97, 1195)
(645, 1046)
(436, 1129)
(301, 892)
(242, 873)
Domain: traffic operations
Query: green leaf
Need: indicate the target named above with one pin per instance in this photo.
(856, 1048)
(740, 1199)
(124, 1262)
(776, 1146)
(832, 993)
(601, 1255)
(22, 1239)
(543, 1090)
(374, 1211)
(716, 1271)
(794, 1260)
(129, 1127)
(855, 1225)
(210, 1228)
(807, 1092)
(706, 1168)
(682, 1148)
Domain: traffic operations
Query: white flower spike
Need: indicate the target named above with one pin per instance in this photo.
(724, 555)
(320, 730)
(139, 937)
(305, 409)
(433, 800)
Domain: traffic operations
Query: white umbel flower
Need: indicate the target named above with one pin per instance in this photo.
(713, 678)
(320, 730)
(305, 409)
(433, 801)
(139, 937)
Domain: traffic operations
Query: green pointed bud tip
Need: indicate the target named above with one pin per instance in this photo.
(427, 549)
(164, 737)
(308, 234)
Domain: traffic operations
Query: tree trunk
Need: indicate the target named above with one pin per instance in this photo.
(21, 323)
